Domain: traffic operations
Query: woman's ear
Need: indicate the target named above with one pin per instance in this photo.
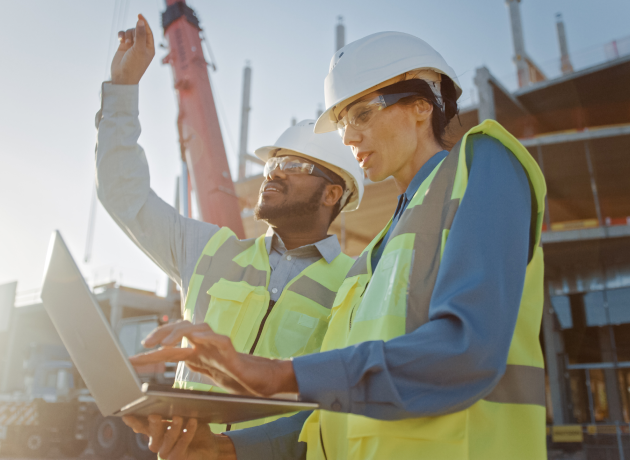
(424, 109)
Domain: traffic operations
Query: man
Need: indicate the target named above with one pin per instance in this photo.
(271, 295)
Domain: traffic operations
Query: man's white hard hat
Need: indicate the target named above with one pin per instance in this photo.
(326, 149)
(374, 62)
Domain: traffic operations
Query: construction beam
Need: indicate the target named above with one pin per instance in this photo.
(598, 133)
(245, 109)
(254, 159)
(583, 234)
(554, 352)
(487, 108)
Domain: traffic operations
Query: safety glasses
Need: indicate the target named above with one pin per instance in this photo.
(294, 165)
(360, 114)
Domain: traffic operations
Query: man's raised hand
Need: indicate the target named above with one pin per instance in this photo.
(134, 54)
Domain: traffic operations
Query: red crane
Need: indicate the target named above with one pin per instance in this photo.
(199, 132)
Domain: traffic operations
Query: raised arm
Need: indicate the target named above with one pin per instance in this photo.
(122, 173)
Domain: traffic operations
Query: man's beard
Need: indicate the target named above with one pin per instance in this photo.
(308, 207)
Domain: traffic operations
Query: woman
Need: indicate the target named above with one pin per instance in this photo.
(432, 350)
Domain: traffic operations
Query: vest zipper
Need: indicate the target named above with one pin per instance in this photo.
(321, 439)
(357, 304)
(262, 325)
(260, 329)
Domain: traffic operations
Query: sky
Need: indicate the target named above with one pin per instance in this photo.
(56, 54)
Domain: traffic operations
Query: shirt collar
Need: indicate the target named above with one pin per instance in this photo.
(329, 248)
(424, 172)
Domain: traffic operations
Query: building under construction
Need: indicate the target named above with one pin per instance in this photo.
(576, 124)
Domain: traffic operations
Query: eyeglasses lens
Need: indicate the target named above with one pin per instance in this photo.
(288, 165)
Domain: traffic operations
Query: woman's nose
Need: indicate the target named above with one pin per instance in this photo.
(350, 136)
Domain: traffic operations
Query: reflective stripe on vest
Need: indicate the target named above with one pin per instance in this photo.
(228, 291)
(510, 421)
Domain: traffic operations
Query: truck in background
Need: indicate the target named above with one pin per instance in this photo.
(43, 400)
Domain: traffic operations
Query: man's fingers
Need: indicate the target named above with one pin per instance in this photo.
(159, 333)
(156, 432)
(141, 36)
(162, 355)
(129, 35)
(122, 44)
(207, 337)
(138, 425)
(149, 33)
(172, 333)
(171, 436)
(185, 330)
(180, 448)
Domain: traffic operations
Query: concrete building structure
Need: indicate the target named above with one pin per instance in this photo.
(577, 126)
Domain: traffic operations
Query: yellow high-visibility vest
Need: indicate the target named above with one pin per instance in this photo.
(228, 290)
(509, 423)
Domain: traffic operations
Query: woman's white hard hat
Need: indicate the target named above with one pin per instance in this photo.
(326, 149)
(374, 62)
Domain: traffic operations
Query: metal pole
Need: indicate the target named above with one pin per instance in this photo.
(91, 225)
(591, 405)
(565, 63)
(619, 443)
(611, 375)
(341, 34)
(542, 169)
(184, 210)
(591, 173)
(171, 288)
(486, 106)
(7, 304)
(520, 57)
(245, 109)
(554, 348)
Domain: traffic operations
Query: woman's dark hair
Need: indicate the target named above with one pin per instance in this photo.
(442, 113)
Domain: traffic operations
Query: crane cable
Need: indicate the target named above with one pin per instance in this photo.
(121, 7)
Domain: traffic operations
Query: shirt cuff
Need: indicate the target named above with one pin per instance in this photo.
(322, 378)
(251, 444)
(119, 98)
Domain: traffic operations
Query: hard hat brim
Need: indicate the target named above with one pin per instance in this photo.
(269, 151)
(327, 121)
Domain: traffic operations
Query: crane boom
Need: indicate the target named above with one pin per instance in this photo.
(201, 142)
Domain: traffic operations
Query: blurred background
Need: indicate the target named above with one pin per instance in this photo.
(56, 54)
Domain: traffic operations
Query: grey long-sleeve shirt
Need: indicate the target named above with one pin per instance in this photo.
(460, 354)
(172, 241)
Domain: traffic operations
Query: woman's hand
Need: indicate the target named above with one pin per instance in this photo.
(179, 440)
(214, 355)
(134, 54)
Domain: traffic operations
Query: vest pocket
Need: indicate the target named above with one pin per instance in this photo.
(425, 438)
(450, 427)
(295, 331)
(232, 305)
(387, 293)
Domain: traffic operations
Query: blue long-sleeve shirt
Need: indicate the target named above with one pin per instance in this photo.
(459, 355)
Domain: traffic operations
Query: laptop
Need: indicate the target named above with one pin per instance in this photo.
(108, 374)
